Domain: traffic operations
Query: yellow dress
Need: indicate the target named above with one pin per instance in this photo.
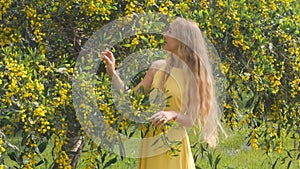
(157, 155)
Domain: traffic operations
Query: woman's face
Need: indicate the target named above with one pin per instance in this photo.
(171, 44)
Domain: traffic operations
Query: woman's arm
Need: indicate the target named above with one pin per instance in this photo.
(162, 117)
(110, 69)
(117, 81)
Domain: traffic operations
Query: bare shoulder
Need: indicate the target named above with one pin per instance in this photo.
(157, 64)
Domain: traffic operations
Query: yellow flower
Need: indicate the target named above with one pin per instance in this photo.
(221, 3)
(246, 76)
(40, 111)
(253, 140)
(132, 5)
(135, 41)
(163, 10)
(151, 2)
(7, 30)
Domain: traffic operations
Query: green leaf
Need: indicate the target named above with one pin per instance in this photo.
(134, 130)
(121, 147)
(289, 164)
(24, 140)
(39, 163)
(250, 102)
(217, 161)
(155, 142)
(42, 147)
(103, 157)
(274, 165)
(126, 45)
(144, 38)
(13, 156)
(289, 154)
(110, 162)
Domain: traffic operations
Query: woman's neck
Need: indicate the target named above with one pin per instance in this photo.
(177, 62)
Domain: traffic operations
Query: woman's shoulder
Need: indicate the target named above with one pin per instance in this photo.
(158, 64)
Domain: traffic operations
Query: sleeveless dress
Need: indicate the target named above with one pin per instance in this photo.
(154, 154)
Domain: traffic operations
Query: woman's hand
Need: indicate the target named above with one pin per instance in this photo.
(110, 62)
(161, 118)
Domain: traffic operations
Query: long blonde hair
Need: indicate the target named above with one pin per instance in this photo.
(203, 103)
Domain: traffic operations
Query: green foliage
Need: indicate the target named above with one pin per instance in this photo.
(258, 43)
(211, 157)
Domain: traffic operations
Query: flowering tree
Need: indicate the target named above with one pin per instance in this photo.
(258, 43)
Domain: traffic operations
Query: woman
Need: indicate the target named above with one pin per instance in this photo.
(187, 70)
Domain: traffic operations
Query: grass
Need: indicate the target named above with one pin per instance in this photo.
(234, 154)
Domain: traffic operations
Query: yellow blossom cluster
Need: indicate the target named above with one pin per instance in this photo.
(254, 139)
(62, 97)
(7, 32)
(295, 87)
(34, 20)
(29, 161)
(24, 80)
(95, 8)
(271, 133)
(239, 39)
(232, 116)
(63, 160)
(2, 149)
(135, 41)
(60, 139)
(204, 5)
(130, 7)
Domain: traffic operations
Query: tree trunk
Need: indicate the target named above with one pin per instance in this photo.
(75, 148)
